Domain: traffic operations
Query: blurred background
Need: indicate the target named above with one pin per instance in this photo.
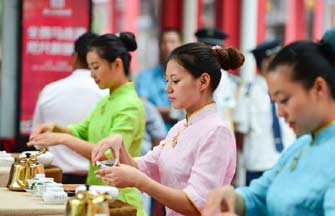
(36, 39)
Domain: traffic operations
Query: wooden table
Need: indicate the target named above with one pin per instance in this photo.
(119, 208)
(22, 203)
(54, 172)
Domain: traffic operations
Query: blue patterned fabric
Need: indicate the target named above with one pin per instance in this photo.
(301, 183)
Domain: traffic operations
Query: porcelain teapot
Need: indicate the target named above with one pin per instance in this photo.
(24, 169)
(88, 203)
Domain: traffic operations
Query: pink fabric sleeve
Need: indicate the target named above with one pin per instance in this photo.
(214, 166)
(148, 163)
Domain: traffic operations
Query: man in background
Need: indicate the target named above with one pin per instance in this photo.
(67, 101)
(150, 83)
(262, 135)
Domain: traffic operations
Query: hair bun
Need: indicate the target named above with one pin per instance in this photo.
(327, 42)
(230, 58)
(128, 39)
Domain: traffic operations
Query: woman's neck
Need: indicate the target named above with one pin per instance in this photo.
(328, 118)
(119, 83)
(329, 110)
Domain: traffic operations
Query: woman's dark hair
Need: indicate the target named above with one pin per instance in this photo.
(112, 46)
(198, 58)
(81, 46)
(309, 61)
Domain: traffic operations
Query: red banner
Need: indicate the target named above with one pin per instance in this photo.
(49, 29)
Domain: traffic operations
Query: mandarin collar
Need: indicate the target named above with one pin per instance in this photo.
(325, 132)
(122, 88)
(200, 114)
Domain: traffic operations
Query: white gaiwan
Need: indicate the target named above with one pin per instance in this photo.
(44, 159)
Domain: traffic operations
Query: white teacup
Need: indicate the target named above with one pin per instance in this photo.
(54, 195)
(42, 187)
(38, 184)
(39, 178)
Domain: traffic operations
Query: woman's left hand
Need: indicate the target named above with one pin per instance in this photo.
(122, 176)
(47, 139)
(113, 142)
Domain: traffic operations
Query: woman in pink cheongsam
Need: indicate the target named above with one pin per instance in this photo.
(199, 153)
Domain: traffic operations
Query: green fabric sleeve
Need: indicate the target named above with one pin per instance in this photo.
(80, 129)
(126, 123)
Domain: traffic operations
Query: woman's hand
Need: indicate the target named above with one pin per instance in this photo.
(48, 139)
(42, 128)
(122, 176)
(220, 200)
(114, 143)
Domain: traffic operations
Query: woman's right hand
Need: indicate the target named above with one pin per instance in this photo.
(220, 200)
(42, 128)
(122, 176)
(113, 142)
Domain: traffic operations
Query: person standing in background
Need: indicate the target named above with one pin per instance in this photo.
(150, 83)
(67, 101)
(225, 94)
(259, 132)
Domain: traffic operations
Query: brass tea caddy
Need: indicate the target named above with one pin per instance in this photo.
(24, 169)
(88, 203)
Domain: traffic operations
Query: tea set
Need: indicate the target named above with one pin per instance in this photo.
(27, 174)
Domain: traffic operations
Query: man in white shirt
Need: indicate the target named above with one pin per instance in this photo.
(67, 101)
(255, 116)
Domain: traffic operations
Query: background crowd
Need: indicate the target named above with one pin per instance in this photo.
(207, 107)
(188, 126)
